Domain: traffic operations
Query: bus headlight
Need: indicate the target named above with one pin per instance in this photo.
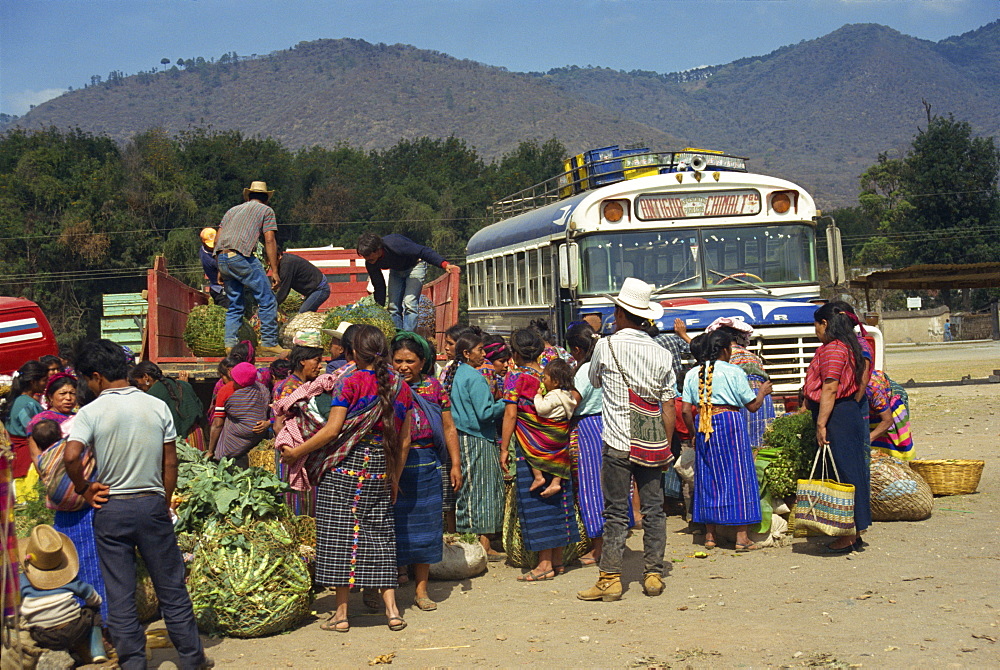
(613, 211)
(781, 201)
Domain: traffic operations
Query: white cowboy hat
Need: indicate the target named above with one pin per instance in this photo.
(634, 298)
(257, 187)
(338, 332)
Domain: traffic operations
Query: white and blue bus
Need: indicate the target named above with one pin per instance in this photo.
(714, 239)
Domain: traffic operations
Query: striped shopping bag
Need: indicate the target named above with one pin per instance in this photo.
(824, 505)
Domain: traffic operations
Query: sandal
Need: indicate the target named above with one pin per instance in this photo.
(559, 569)
(333, 624)
(425, 603)
(371, 599)
(588, 560)
(753, 546)
(400, 625)
(535, 577)
(830, 549)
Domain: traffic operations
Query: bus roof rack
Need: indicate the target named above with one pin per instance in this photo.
(609, 165)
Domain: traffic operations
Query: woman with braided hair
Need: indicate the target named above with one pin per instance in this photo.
(185, 407)
(419, 505)
(725, 480)
(356, 458)
(479, 508)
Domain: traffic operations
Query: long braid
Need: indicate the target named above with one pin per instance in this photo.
(386, 399)
(449, 375)
(467, 341)
(705, 399)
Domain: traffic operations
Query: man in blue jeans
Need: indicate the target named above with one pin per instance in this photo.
(235, 242)
(406, 262)
(132, 437)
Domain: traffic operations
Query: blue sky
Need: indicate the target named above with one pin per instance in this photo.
(47, 46)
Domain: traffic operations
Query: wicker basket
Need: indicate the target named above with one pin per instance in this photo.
(950, 477)
(898, 492)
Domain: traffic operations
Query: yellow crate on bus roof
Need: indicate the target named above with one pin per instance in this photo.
(574, 177)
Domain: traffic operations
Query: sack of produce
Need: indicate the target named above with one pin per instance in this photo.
(205, 331)
(364, 311)
(460, 560)
(301, 322)
(426, 317)
(249, 581)
(898, 492)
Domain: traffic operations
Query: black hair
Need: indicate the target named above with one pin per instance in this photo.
(715, 343)
(241, 353)
(45, 433)
(541, 326)
(634, 319)
(103, 357)
(696, 346)
(527, 344)
(280, 368)
(495, 348)
(840, 327)
(29, 373)
(60, 380)
(561, 373)
(369, 243)
(426, 355)
(457, 330)
(301, 354)
(650, 328)
(84, 395)
(581, 336)
(227, 364)
(370, 348)
(257, 195)
(467, 341)
(151, 369)
(347, 340)
(49, 360)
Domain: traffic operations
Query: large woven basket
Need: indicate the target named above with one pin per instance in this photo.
(951, 477)
(898, 493)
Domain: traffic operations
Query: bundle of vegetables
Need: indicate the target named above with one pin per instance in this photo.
(291, 306)
(248, 581)
(301, 322)
(790, 445)
(364, 311)
(206, 328)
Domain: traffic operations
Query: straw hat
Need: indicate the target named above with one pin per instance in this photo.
(338, 332)
(634, 298)
(256, 187)
(208, 237)
(49, 558)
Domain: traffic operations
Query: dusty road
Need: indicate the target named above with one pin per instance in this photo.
(922, 595)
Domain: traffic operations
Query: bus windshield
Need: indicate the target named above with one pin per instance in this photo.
(687, 259)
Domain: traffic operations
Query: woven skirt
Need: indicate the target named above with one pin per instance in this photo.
(480, 500)
(355, 532)
(546, 523)
(417, 512)
(725, 479)
(586, 443)
(79, 527)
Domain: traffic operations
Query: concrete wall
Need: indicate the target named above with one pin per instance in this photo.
(919, 325)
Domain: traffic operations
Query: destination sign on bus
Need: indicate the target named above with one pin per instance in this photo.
(665, 206)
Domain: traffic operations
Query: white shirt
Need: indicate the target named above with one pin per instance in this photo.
(650, 374)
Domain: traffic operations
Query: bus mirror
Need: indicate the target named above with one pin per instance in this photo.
(835, 248)
(569, 265)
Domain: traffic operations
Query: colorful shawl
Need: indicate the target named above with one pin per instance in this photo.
(545, 442)
(751, 363)
(359, 423)
(301, 423)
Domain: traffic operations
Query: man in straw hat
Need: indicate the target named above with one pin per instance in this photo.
(337, 358)
(132, 437)
(239, 231)
(49, 589)
(630, 362)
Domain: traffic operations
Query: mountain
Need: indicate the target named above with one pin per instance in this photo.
(346, 91)
(818, 112)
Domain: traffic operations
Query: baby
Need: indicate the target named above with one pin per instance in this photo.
(557, 404)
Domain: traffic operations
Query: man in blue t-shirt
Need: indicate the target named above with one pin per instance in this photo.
(133, 439)
(211, 267)
(406, 262)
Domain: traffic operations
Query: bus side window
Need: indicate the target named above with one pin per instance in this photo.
(546, 274)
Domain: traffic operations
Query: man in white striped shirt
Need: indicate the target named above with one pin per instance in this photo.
(648, 371)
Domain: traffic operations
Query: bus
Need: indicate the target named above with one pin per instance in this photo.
(713, 239)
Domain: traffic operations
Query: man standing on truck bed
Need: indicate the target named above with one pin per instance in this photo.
(305, 278)
(406, 262)
(239, 231)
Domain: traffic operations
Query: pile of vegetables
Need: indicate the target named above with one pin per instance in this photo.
(364, 311)
(248, 577)
(789, 445)
(205, 330)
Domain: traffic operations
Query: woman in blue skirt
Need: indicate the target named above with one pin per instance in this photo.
(725, 480)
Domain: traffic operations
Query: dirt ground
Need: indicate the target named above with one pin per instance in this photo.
(922, 595)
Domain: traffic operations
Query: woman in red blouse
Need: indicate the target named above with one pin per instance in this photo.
(834, 377)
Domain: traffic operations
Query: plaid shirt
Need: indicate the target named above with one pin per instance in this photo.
(680, 351)
(242, 227)
(650, 373)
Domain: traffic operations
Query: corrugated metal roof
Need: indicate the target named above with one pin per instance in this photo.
(943, 276)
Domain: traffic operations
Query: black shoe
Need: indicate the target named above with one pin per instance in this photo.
(206, 664)
(828, 549)
(859, 545)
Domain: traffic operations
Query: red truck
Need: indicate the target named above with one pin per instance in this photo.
(170, 300)
(25, 334)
